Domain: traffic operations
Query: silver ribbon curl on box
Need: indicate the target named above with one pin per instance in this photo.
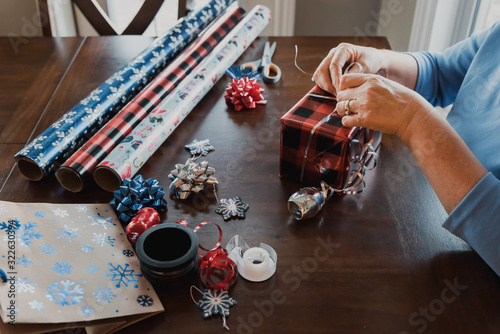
(191, 177)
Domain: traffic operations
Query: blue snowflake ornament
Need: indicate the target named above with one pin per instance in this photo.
(215, 302)
(232, 207)
(201, 147)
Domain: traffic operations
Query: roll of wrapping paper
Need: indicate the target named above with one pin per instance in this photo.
(46, 152)
(128, 157)
(75, 171)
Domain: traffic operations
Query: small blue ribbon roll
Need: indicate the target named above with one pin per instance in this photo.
(135, 194)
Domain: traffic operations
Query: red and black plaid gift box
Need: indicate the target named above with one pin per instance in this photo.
(330, 152)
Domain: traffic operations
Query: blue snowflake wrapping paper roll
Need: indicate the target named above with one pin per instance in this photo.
(49, 150)
(72, 263)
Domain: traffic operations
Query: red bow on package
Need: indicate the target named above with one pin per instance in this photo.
(145, 218)
(244, 93)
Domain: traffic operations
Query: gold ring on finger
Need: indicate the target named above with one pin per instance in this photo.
(347, 107)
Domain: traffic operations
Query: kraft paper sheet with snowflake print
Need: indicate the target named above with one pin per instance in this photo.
(73, 263)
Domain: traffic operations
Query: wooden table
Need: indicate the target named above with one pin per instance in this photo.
(376, 262)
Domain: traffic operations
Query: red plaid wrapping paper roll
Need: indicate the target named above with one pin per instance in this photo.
(333, 148)
(73, 174)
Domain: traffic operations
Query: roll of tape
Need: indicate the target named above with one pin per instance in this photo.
(255, 264)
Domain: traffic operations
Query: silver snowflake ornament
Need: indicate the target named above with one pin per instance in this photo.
(201, 147)
(232, 207)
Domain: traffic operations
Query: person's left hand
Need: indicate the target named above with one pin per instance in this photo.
(380, 104)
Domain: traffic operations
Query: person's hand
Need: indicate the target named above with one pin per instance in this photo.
(381, 104)
(327, 75)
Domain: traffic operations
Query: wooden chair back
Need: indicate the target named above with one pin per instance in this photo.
(101, 22)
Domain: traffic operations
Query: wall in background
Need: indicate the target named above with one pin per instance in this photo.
(19, 17)
(312, 17)
(335, 17)
(395, 22)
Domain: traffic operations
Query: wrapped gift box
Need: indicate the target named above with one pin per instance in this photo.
(330, 152)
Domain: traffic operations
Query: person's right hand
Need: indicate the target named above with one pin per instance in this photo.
(327, 75)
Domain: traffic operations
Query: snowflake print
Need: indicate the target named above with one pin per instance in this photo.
(24, 285)
(59, 212)
(36, 305)
(201, 147)
(145, 300)
(25, 233)
(28, 233)
(128, 253)
(57, 125)
(92, 269)
(103, 295)
(90, 118)
(24, 261)
(102, 239)
(82, 208)
(123, 275)
(68, 233)
(39, 214)
(215, 302)
(41, 158)
(232, 207)
(87, 248)
(25, 151)
(62, 268)
(11, 222)
(87, 311)
(65, 293)
(102, 221)
(47, 249)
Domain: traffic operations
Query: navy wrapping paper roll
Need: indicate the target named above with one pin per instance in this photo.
(51, 148)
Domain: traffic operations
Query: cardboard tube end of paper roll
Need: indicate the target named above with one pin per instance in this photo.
(30, 169)
(107, 179)
(70, 179)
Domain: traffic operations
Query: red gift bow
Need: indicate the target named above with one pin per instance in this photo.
(244, 93)
(217, 259)
(143, 220)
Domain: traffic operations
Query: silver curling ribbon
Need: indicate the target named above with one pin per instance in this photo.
(307, 202)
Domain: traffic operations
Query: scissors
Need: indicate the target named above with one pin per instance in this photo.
(271, 73)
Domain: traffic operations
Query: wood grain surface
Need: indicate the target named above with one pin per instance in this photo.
(375, 262)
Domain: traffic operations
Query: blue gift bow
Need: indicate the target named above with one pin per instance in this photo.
(136, 194)
(65, 136)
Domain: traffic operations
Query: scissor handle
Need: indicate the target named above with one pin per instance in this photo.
(271, 73)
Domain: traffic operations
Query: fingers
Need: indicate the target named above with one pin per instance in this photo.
(351, 121)
(327, 75)
(353, 80)
(344, 54)
(322, 74)
(347, 107)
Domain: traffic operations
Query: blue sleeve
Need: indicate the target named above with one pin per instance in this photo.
(440, 75)
(476, 220)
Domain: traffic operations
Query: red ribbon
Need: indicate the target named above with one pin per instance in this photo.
(217, 259)
(185, 223)
(143, 220)
(244, 93)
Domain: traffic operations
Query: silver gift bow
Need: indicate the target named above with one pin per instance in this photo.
(191, 177)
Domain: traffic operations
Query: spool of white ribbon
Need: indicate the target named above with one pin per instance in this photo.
(255, 264)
